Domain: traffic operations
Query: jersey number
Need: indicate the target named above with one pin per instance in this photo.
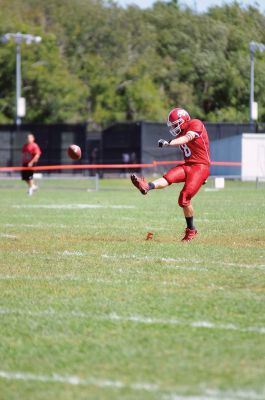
(186, 150)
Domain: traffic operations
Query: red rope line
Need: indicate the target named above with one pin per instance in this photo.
(109, 166)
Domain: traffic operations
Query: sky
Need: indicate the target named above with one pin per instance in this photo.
(198, 5)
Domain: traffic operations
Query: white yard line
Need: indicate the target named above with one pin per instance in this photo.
(169, 394)
(8, 236)
(193, 268)
(76, 380)
(166, 260)
(72, 206)
(38, 225)
(172, 260)
(58, 278)
(71, 253)
(138, 319)
(202, 397)
(210, 394)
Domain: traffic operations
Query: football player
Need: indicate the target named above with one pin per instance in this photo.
(192, 138)
(30, 156)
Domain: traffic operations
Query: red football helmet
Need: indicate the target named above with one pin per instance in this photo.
(178, 119)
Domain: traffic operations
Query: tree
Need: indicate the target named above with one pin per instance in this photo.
(102, 63)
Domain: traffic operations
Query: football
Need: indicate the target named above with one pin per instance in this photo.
(74, 152)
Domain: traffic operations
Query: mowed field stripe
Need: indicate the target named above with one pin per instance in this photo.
(138, 319)
(58, 278)
(169, 394)
(166, 260)
(143, 279)
(73, 278)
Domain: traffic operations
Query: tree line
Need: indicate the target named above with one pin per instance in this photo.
(101, 63)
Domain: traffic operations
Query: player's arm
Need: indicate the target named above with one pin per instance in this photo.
(34, 160)
(190, 135)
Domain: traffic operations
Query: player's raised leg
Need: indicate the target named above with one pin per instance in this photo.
(143, 186)
(174, 175)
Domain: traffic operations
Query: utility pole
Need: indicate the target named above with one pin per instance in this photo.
(18, 38)
(253, 109)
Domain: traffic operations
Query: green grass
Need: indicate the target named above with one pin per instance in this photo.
(84, 294)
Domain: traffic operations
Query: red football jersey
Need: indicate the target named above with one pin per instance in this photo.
(197, 150)
(29, 151)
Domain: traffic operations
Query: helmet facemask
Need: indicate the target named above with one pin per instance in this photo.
(175, 127)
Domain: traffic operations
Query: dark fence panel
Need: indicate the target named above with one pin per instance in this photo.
(53, 140)
(119, 140)
(223, 130)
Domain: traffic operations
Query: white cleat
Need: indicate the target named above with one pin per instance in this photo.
(32, 189)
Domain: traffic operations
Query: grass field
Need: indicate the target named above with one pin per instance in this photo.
(91, 310)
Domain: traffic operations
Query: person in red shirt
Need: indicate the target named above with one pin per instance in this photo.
(30, 156)
(192, 138)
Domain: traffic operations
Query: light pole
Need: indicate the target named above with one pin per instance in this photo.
(18, 38)
(253, 46)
